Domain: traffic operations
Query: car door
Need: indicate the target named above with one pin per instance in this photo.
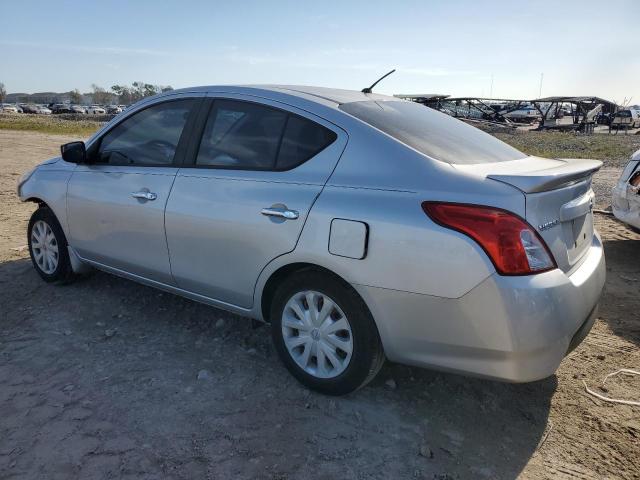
(254, 173)
(116, 201)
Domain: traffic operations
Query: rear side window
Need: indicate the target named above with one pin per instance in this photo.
(433, 133)
(248, 136)
(149, 137)
(302, 140)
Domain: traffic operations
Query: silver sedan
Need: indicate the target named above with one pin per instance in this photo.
(360, 226)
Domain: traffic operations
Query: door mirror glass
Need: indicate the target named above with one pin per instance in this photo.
(74, 152)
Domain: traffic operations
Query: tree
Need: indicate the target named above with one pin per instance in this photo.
(124, 94)
(100, 95)
(138, 91)
(75, 96)
(3, 92)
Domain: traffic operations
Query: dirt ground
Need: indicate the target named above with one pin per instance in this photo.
(105, 378)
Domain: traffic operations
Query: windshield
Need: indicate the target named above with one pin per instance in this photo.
(433, 133)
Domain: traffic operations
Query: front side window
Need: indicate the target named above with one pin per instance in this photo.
(149, 137)
(248, 136)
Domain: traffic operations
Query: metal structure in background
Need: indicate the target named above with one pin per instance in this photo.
(494, 110)
(490, 109)
(560, 113)
(584, 112)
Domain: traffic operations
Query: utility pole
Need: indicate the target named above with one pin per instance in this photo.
(491, 88)
(540, 92)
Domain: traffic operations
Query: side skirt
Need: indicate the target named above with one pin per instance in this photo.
(245, 312)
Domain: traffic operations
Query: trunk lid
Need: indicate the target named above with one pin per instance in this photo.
(558, 198)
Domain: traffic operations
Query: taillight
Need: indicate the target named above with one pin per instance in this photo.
(513, 246)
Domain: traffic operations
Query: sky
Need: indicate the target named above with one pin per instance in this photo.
(460, 48)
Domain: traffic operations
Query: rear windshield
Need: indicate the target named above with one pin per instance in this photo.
(433, 133)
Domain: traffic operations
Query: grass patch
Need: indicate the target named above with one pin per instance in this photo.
(613, 150)
(48, 124)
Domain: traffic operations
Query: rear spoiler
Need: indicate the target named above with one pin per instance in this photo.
(572, 171)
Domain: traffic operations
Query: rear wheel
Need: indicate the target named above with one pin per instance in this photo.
(48, 247)
(324, 333)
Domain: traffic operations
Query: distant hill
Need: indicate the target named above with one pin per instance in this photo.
(38, 97)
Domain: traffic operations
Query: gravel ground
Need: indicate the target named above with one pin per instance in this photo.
(106, 378)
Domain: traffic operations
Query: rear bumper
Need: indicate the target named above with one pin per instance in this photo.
(515, 329)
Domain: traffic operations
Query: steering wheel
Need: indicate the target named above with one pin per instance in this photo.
(167, 149)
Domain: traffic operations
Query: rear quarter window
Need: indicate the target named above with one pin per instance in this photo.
(433, 133)
(302, 140)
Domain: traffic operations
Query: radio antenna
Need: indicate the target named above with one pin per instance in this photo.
(370, 89)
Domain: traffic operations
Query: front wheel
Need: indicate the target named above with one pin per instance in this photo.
(324, 333)
(48, 247)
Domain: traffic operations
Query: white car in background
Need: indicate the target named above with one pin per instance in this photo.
(626, 194)
(96, 110)
(628, 118)
(42, 110)
(77, 109)
(526, 114)
(113, 109)
(6, 108)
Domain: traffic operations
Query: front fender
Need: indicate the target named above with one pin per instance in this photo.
(48, 184)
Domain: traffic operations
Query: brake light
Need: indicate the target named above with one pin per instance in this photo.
(513, 246)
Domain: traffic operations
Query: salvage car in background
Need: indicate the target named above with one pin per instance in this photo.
(113, 109)
(59, 108)
(629, 118)
(626, 194)
(526, 114)
(7, 108)
(96, 110)
(29, 108)
(77, 109)
(359, 225)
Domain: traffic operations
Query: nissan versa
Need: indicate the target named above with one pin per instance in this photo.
(362, 227)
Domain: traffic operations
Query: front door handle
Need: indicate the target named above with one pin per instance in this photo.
(280, 213)
(144, 195)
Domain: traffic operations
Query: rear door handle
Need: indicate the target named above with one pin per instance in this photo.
(280, 213)
(144, 195)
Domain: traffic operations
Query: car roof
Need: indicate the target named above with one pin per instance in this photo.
(327, 96)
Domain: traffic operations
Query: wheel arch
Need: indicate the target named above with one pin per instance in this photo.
(276, 277)
(284, 271)
(41, 203)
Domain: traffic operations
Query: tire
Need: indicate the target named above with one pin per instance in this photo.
(44, 224)
(343, 371)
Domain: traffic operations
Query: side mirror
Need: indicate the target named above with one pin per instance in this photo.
(74, 152)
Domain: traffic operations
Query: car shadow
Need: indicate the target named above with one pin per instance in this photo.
(622, 288)
(199, 391)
